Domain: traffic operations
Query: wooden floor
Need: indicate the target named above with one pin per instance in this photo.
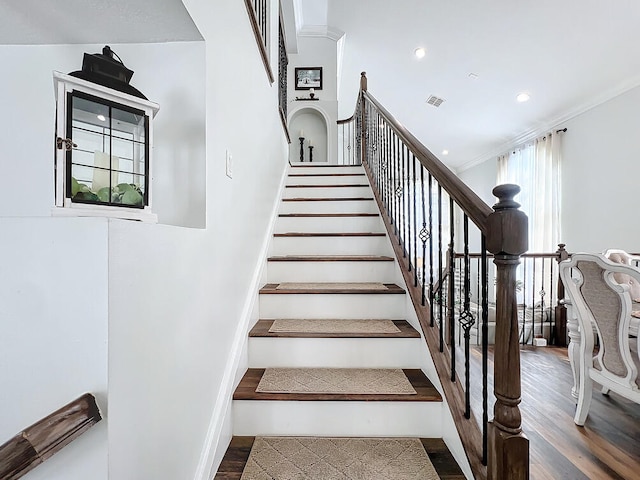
(238, 452)
(607, 447)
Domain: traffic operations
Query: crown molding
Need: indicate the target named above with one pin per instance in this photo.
(555, 123)
(321, 31)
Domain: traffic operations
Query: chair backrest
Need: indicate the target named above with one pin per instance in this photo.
(603, 305)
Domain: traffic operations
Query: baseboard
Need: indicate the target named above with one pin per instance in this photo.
(214, 441)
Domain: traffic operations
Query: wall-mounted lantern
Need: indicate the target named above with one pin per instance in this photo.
(104, 132)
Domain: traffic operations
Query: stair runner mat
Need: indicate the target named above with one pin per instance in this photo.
(349, 381)
(332, 286)
(323, 458)
(333, 326)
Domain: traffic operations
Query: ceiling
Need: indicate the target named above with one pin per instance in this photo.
(569, 55)
(63, 22)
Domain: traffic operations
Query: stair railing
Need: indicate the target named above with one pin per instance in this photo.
(423, 204)
(40, 441)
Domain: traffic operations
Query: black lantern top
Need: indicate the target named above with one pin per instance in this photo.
(105, 70)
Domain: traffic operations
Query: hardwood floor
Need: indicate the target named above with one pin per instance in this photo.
(607, 447)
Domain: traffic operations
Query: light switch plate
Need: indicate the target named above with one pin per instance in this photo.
(229, 164)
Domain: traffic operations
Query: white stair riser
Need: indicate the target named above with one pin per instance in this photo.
(332, 306)
(265, 352)
(328, 206)
(328, 192)
(331, 246)
(323, 169)
(383, 272)
(328, 224)
(362, 419)
(326, 180)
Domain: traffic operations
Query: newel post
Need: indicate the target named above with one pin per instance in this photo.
(363, 118)
(507, 240)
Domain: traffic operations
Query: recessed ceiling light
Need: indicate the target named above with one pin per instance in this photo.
(102, 118)
(445, 152)
(420, 52)
(523, 97)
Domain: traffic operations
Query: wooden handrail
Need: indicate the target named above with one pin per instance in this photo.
(477, 210)
(259, 40)
(37, 443)
(504, 229)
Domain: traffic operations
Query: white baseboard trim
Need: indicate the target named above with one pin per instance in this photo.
(209, 461)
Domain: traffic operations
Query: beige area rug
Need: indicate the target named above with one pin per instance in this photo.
(331, 286)
(336, 326)
(381, 381)
(316, 458)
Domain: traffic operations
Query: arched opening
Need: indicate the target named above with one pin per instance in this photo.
(308, 128)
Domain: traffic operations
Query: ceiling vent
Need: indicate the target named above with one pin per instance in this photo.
(435, 101)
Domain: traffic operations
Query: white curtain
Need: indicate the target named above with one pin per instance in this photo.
(535, 167)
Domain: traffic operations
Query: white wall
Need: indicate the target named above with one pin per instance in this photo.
(53, 332)
(173, 298)
(314, 52)
(169, 74)
(601, 175)
(178, 297)
(600, 172)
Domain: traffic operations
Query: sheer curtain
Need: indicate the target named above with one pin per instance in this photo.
(535, 166)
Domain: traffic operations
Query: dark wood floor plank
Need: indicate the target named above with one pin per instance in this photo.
(332, 199)
(329, 234)
(426, 392)
(330, 289)
(331, 258)
(261, 329)
(326, 175)
(321, 215)
(607, 447)
(341, 185)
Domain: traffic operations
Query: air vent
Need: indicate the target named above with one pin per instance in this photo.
(435, 101)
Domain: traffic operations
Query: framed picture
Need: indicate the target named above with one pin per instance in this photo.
(308, 77)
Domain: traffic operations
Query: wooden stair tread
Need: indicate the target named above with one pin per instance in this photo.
(331, 258)
(321, 215)
(237, 454)
(342, 185)
(262, 326)
(332, 199)
(330, 288)
(330, 234)
(426, 392)
(327, 175)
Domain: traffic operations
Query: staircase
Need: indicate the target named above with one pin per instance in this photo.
(331, 263)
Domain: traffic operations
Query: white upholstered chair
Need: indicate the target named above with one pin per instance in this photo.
(600, 307)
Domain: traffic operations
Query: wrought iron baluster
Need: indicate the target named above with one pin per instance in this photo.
(431, 292)
(451, 293)
(400, 195)
(552, 319)
(485, 346)
(415, 226)
(440, 278)
(424, 236)
(467, 319)
(524, 296)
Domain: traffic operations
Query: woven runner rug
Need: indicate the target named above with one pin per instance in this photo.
(357, 381)
(316, 458)
(333, 326)
(332, 286)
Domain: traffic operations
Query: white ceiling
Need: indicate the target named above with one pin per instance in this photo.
(38, 22)
(568, 54)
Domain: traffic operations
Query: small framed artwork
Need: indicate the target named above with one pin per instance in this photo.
(308, 78)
